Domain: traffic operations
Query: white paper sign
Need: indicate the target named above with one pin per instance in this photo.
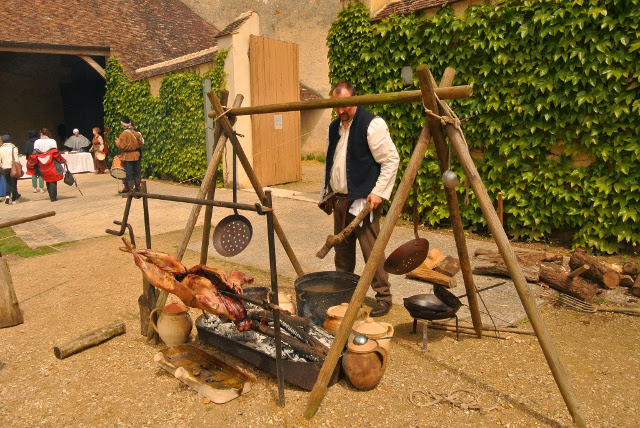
(277, 121)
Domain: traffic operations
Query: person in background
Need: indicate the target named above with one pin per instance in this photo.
(98, 149)
(362, 163)
(28, 150)
(77, 142)
(125, 188)
(47, 157)
(129, 142)
(9, 153)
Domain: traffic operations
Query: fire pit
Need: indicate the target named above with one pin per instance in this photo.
(259, 350)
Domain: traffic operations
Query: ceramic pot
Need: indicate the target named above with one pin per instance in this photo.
(373, 330)
(174, 324)
(335, 314)
(365, 364)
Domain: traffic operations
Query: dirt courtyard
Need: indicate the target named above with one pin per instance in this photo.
(89, 284)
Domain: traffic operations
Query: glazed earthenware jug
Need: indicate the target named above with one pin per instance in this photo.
(364, 364)
(374, 330)
(174, 324)
(335, 314)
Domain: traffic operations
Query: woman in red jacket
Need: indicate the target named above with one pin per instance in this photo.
(46, 155)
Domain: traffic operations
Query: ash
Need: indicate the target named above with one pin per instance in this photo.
(262, 343)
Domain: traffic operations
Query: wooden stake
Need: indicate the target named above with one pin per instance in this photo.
(10, 313)
(533, 312)
(320, 388)
(578, 271)
(428, 89)
(257, 187)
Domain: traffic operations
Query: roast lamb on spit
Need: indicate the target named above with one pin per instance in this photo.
(196, 287)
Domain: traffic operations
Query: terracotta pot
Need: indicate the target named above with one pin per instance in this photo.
(373, 330)
(365, 364)
(335, 314)
(174, 324)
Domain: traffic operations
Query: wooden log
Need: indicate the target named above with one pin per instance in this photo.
(615, 267)
(414, 96)
(494, 265)
(626, 281)
(635, 289)
(577, 272)
(434, 258)
(630, 268)
(431, 276)
(89, 339)
(10, 313)
(599, 272)
(450, 266)
(539, 256)
(576, 287)
(26, 219)
(333, 240)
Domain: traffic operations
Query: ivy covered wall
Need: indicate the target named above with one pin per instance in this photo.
(553, 81)
(172, 124)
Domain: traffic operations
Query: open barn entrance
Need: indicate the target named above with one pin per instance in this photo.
(54, 91)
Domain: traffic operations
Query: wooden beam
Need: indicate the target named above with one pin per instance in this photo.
(377, 253)
(94, 65)
(449, 93)
(54, 49)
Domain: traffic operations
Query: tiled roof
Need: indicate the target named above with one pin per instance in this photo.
(235, 25)
(404, 7)
(139, 33)
(180, 63)
(308, 94)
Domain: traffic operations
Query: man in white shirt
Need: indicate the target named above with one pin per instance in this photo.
(361, 167)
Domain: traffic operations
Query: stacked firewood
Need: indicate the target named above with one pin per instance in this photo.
(586, 278)
(437, 269)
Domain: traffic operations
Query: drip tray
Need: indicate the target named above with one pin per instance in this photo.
(205, 373)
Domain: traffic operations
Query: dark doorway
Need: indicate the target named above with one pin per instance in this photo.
(59, 92)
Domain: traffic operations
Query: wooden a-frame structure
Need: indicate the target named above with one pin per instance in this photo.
(438, 115)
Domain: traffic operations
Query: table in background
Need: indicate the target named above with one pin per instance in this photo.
(77, 162)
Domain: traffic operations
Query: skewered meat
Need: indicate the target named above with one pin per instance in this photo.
(164, 261)
(194, 290)
(156, 276)
(237, 279)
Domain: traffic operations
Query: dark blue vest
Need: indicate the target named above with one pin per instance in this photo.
(362, 168)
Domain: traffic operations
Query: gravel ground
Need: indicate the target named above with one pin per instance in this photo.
(118, 384)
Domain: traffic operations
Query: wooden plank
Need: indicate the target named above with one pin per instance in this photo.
(431, 276)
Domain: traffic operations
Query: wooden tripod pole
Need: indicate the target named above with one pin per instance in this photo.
(502, 241)
(207, 182)
(248, 169)
(435, 127)
(377, 253)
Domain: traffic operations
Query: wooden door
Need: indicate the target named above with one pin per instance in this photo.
(276, 136)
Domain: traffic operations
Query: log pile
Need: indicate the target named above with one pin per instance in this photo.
(437, 269)
(586, 278)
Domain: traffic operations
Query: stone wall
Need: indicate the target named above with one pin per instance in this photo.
(303, 22)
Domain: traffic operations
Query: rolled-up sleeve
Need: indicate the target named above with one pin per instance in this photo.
(386, 154)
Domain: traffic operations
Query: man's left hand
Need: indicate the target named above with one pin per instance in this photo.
(374, 201)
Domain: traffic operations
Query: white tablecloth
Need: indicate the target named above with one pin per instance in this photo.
(77, 162)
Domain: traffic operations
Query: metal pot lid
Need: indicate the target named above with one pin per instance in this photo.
(369, 327)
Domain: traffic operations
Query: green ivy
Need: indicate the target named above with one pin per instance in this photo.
(172, 124)
(543, 73)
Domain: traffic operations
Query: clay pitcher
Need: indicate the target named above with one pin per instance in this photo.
(365, 364)
(174, 324)
(335, 314)
(380, 331)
